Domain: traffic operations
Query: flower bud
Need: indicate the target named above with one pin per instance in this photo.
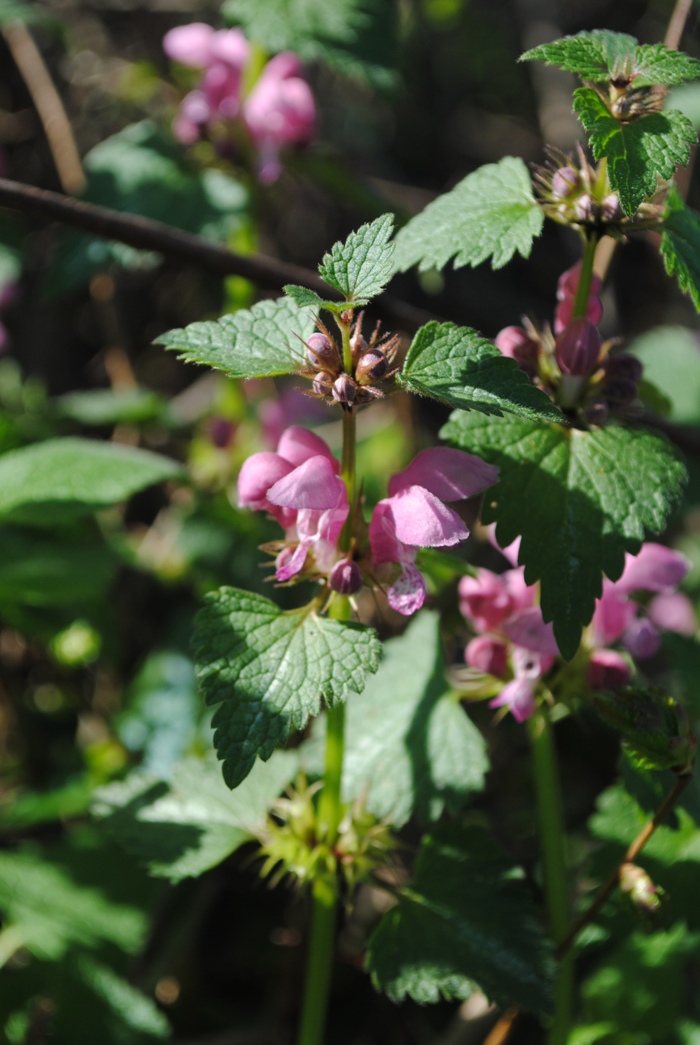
(516, 343)
(607, 669)
(323, 383)
(620, 392)
(624, 366)
(636, 883)
(610, 207)
(322, 352)
(372, 367)
(488, 655)
(346, 577)
(344, 389)
(642, 639)
(585, 208)
(577, 348)
(596, 411)
(221, 432)
(565, 181)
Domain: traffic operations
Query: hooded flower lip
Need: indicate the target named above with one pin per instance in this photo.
(414, 516)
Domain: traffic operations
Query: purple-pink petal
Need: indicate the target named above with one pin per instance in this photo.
(607, 669)
(231, 47)
(527, 629)
(519, 697)
(488, 654)
(258, 474)
(421, 520)
(655, 568)
(313, 484)
(673, 612)
(449, 474)
(190, 44)
(613, 612)
(298, 444)
(641, 639)
(407, 594)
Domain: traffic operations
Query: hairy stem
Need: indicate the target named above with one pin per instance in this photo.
(319, 962)
(583, 291)
(550, 816)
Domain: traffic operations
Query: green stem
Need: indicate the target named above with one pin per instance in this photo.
(583, 291)
(550, 816)
(319, 962)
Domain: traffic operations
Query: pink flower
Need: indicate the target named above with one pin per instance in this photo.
(279, 110)
(489, 599)
(518, 696)
(414, 516)
(299, 485)
(618, 618)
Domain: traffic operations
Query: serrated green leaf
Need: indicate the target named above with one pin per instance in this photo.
(262, 341)
(578, 499)
(185, 826)
(356, 37)
(361, 267)
(638, 152)
(465, 922)
(63, 478)
(409, 744)
(269, 671)
(492, 213)
(305, 297)
(53, 913)
(680, 245)
(107, 406)
(110, 1005)
(457, 366)
(603, 55)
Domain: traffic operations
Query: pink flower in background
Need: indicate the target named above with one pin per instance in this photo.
(512, 638)
(566, 296)
(617, 617)
(278, 112)
(414, 516)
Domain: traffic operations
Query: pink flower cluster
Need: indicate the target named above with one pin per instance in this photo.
(514, 644)
(279, 110)
(300, 486)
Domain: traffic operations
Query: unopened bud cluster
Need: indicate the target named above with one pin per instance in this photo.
(583, 373)
(371, 362)
(574, 192)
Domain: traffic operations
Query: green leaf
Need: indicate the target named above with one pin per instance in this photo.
(38, 570)
(142, 170)
(637, 152)
(183, 827)
(258, 342)
(361, 267)
(63, 478)
(269, 671)
(653, 726)
(492, 213)
(409, 744)
(105, 1006)
(356, 37)
(458, 366)
(305, 297)
(466, 921)
(106, 406)
(578, 499)
(680, 245)
(672, 364)
(603, 55)
(52, 913)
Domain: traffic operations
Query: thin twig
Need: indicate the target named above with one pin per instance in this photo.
(147, 234)
(48, 105)
(630, 856)
(676, 24)
(502, 1030)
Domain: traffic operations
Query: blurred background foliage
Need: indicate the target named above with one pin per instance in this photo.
(96, 610)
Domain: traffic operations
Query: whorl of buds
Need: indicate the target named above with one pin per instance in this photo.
(346, 577)
(577, 348)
